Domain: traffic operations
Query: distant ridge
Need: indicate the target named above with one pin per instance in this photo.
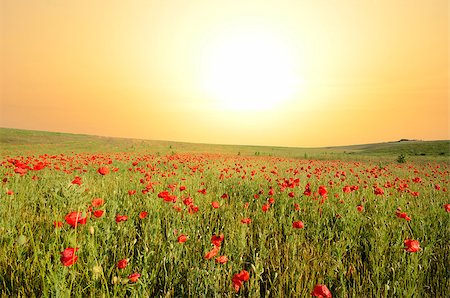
(18, 139)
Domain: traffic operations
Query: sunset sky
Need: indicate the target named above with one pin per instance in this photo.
(286, 73)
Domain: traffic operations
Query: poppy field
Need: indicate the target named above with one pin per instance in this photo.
(145, 224)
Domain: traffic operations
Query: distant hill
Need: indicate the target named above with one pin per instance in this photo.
(18, 140)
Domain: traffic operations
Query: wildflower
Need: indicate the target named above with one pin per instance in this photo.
(143, 214)
(122, 264)
(403, 215)
(103, 171)
(75, 218)
(221, 260)
(97, 202)
(322, 191)
(212, 253)
(217, 240)
(246, 220)
(346, 189)
(265, 207)
(360, 208)
(239, 278)
(298, 224)
(98, 213)
(182, 238)
(447, 207)
(215, 205)
(68, 257)
(77, 180)
(134, 277)
(412, 245)
(192, 209)
(167, 196)
(57, 224)
(120, 218)
(321, 291)
(188, 201)
(378, 191)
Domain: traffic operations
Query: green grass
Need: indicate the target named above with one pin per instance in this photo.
(355, 254)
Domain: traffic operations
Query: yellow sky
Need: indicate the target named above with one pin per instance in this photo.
(292, 73)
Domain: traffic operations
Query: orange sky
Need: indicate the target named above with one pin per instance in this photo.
(290, 73)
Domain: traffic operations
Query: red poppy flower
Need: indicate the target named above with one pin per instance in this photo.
(192, 209)
(215, 205)
(239, 278)
(120, 218)
(347, 189)
(98, 213)
(224, 196)
(75, 218)
(122, 264)
(134, 277)
(97, 202)
(412, 245)
(77, 180)
(212, 253)
(217, 240)
(378, 191)
(10, 192)
(291, 194)
(298, 224)
(103, 170)
(447, 207)
(265, 207)
(68, 257)
(221, 260)
(57, 224)
(167, 196)
(360, 208)
(322, 191)
(39, 166)
(246, 220)
(143, 214)
(182, 187)
(188, 201)
(321, 291)
(403, 215)
(20, 171)
(131, 192)
(182, 238)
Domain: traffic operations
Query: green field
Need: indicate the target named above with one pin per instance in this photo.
(15, 140)
(358, 206)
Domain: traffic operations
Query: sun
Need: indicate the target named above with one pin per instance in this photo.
(250, 70)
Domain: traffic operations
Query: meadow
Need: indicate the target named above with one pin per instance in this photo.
(88, 216)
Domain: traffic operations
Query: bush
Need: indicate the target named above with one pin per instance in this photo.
(401, 158)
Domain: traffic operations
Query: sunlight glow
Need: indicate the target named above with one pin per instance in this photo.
(250, 71)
